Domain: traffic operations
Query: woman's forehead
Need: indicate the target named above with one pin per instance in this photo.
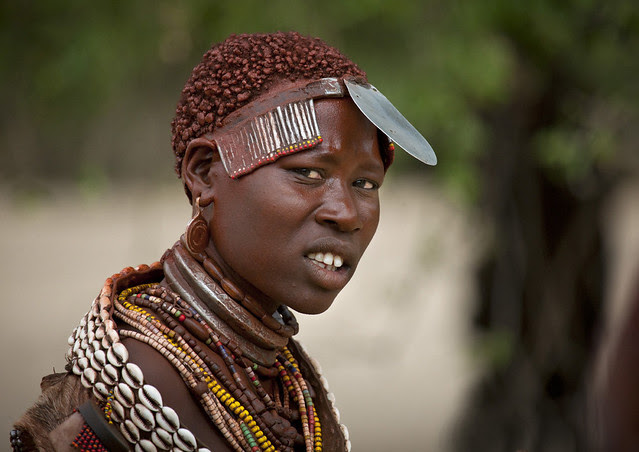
(285, 121)
(349, 138)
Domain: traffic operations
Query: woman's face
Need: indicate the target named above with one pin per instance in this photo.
(270, 228)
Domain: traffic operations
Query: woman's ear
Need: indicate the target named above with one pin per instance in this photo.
(197, 164)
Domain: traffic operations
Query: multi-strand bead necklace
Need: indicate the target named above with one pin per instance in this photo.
(166, 323)
(213, 365)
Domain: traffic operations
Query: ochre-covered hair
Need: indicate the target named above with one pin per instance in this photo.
(237, 70)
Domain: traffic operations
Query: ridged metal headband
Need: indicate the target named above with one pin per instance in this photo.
(285, 122)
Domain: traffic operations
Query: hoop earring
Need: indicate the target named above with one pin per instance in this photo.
(197, 231)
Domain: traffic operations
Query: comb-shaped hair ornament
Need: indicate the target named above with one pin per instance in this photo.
(284, 122)
(286, 129)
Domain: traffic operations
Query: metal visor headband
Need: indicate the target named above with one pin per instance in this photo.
(285, 122)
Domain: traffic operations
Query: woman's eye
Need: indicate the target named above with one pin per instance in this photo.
(309, 173)
(366, 184)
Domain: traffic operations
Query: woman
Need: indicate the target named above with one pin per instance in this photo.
(282, 146)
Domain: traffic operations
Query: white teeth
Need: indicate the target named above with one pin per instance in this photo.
(328, 259)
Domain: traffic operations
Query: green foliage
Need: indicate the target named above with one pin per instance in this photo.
(446, 65)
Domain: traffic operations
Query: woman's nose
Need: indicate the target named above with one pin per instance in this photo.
(339, 209)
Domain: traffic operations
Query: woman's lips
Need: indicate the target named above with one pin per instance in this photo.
(328, 270)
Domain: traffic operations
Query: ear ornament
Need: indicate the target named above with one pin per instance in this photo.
(197, 231)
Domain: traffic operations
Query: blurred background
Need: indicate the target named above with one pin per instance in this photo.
(496, 278)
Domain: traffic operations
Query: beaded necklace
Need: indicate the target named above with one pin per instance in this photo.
(248, 419)
(137, 306)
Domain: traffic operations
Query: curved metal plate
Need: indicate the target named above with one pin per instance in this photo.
(381, 112)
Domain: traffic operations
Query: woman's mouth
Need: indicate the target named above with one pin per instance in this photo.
(328, 261)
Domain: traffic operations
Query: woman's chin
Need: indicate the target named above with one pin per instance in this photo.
(312, 306)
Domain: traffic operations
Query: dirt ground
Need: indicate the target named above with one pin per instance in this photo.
(395, 346)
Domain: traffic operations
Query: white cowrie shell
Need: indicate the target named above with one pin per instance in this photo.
(150, 397)
(203, 449)
(83, 321)
(185, 440)
(76, 346)
(124, 395)
(76, 368)
(100, 391)
(335, 413)
(112, 337)
(132, 375)
(109, 325)
(145, 446)
(83, 363)
(100, 332)
(104, 315)
(100, 357)
(130, 431)
(118, 354)
(161, 438)
(71, 340)
(109, 375)
(95, 362)
(117, 411)
(316, 365)
(142, 417)
(344, 431)
(324, 382)
(168, 419)
(84, 343)
(88, 377)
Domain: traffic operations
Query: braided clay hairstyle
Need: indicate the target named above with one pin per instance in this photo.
(237, 70)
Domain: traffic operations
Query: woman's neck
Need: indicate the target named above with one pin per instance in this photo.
(260, 336)
(222, 272)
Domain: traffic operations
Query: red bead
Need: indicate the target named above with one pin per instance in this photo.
(181, 318)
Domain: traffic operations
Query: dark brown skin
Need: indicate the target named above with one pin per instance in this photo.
(265, 223)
